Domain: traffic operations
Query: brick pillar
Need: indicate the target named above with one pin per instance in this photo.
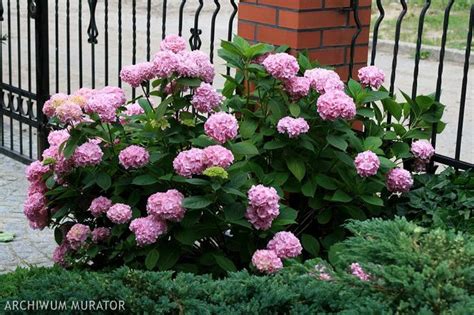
(323, 27)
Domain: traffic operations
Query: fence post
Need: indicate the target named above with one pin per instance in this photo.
(323, 27)
(40, 14)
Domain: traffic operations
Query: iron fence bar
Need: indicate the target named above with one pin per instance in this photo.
(42, 69)
(80, 44)
(376, 31)
(355, 10)
(195, 39)
(93, 34)
(231, 26)
(30, 100)
(14, 155)
(446, 160)
(464, 86)
(2, 131)
(180, 20)
(163, 24)
(56, 43)
(421, 23)
(119, 42)
(134, 38)
(106, 41)
(213, 29)
(10, 79)
(68, 45)
(19, 108)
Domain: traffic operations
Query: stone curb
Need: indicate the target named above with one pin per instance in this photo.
(451, 55)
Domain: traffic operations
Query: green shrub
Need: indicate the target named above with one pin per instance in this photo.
(443, 200)
(411, 270)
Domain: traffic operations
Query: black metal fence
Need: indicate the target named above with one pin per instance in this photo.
(86, 43)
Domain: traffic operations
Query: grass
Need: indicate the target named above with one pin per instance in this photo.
(432, 32)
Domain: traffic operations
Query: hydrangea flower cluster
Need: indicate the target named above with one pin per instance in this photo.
(336, 104)
(87, 154)
(165, 63)
(221, 127)
(194, 161)
(323, 80)
(100, 234)
(399, 180)
(266, 261)
(131, 110)
(422, 150)
(100, 205)
(35, 208)
(60, 252)
(195, 64)
(285, 245)
(263, 206)
(367, 163)
(119, 213)
(136, 74)
(58, 137)
(147, 229)
(359, 272)
(78, 235)
(292, 126)
(297, 87)
(281, 66)
(206, 98)
(173, 43)
(166, 205)
(134, 156)
(371, 76)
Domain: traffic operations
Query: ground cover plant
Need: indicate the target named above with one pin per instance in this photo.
(388, 267)
(187, 178)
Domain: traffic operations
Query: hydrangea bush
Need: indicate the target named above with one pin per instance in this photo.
(190, 178)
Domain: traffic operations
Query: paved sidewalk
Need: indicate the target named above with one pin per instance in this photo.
(29, 247)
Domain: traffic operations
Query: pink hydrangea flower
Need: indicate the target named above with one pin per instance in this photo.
(61, 165)
(100, 205)
(35, 171)
(115, 95)
(259, 60)
(292, 126)
(217, 155)
(49, 107)
(282, 66)
(37, 187)
(35, 210)
(119, 213)
(85, 92)
(134, 156)
(422, 150)
(285, 245)
(190, 162)
(195, 64)
(167, 205)
(371, 76)
(367, 163)
(147, 230)
(101, 105)
(60, 253)
(357, 271)
(297, 87)
(336, 104)
(266, 261)
(173, 43)
(221, 127)
(69, 112)
(399, 180)
(57, 137)
(263, 206)
(100, 234)
(133, 109)
(323, 80)
(136, 74)
(165, 63)
(78, 235)
(88, 154)
(206, 98)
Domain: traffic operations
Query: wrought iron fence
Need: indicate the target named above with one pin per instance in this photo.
(86, 43)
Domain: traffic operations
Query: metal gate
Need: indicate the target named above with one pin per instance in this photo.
(63, 45)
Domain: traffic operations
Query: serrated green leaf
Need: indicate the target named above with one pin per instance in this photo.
(152, 259)
(144, 180)
(310, 244)
(296, 167)
(337, 142)
(104, 180)
(196, 202)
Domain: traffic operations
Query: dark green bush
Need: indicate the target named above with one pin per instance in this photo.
(412, 271)
(444, 200)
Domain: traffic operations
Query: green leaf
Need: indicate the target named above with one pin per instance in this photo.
(287, 216)
(187, 236)
(225, 263)
(337, 142)
(296, 166)
(325, 216)
(424, 102)
(373, 96)
(401, 149)
(354, 88)
(58, 235)
(275, 144)
(50, 182)
(234, 212)
(191, 82)
(295, 109)
(366, 112)
(326, 182)
(310, 244)
(386, 163)
(340, 196)
(104, 180)
(309, 187)
(247, 128)
(145, 104)
(372, 143)
(393, 108)
(373, 200)
(144, 180)
(161, 109)
(169, 256)
(244, 148)
(196, 202)
(304, 62)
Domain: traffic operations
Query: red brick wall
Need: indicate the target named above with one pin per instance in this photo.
(323, 27)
